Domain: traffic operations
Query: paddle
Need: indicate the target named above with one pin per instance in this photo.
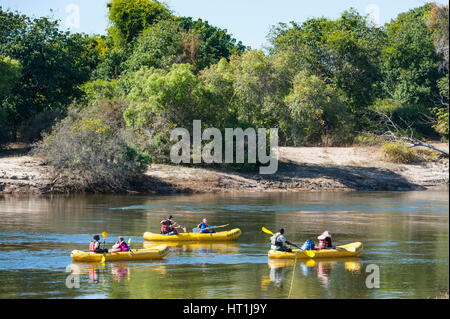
(104, 234)
(129, 247)
(308, 253)
(199, 230)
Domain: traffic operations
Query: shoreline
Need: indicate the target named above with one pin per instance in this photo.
(301, 169)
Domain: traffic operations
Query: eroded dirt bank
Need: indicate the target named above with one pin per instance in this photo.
(300, 169)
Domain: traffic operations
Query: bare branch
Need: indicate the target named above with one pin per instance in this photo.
(396, 135)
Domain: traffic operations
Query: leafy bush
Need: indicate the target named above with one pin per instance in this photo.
(318, 112)
(95, 148)
(129, 18)
(97, 90)
(399, 152)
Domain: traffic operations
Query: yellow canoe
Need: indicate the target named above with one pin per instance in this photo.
(219, 236)
(349, 250)
(156, 252)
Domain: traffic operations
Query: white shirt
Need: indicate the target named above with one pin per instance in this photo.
(277, 238)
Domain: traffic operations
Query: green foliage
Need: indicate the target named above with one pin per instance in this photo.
(399, 152)
(409, 118)
(111, 66)
(219, 80)
(53, 64)
(10, 73)
(176, 96)
(257, 89)
(97, 90)
(317, 111)
(213, 43)
(159, 47)
(409, 60)
(96, 148)
(442, 110)
(182, 40)
(343, 52)
(130, 17)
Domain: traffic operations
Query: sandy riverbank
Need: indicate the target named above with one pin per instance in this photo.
(300, 169)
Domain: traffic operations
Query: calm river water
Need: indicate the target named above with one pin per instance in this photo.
(406, 234)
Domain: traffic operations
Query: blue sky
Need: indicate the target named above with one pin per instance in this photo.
(247, 20)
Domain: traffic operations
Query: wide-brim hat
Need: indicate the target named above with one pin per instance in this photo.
(324, 235)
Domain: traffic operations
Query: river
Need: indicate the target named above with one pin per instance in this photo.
(405, 237)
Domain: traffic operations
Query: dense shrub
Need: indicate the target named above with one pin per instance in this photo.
(399, 152)
(94, 145)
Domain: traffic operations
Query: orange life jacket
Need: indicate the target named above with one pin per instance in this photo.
(92, 246)
(166, 226)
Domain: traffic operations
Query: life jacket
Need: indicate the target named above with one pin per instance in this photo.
(274, 240)
(200, 225)
(325, 243)
(92, 246)
(124, 246)
(166, 226)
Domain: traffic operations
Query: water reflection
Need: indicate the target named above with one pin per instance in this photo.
(321, 268)
(98, 271)
(120, 272)
(198, 247)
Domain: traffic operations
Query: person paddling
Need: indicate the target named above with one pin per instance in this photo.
(94, 246)
(168, 226)
(278, 242)
(119, 246)
(204, 228)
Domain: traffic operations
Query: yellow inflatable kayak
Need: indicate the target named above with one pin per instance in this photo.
(349, 250)
(219, 236)
(156, 252)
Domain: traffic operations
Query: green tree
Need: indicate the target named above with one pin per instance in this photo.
(219, 80)
(442, 110)
(318, 113)
(438, 20)
(409, 60)
(257, 90)
(343, 52)
(181, 41)
(161, 100)
(130, 17)
(214, 43)
(176, 96)
(10, 73)
(159, 47)
(53, 64)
